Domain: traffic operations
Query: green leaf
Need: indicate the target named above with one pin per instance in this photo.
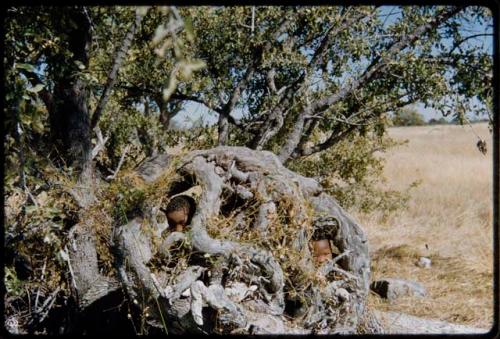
(188, 27)
(80, 65)
(30, 209)
(27, 67)
(36, 88)
(142, 10)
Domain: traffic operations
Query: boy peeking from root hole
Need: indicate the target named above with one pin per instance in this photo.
(179, 212)
(322, 246)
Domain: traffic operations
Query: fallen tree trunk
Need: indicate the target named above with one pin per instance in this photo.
(245, 264)
(400, 323)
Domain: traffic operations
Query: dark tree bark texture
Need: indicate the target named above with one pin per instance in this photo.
(69, 115)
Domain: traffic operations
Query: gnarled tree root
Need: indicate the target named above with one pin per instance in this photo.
(246, 285)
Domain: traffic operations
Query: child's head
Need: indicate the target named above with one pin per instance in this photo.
(325, 228)
(322, 250)
(179, 212)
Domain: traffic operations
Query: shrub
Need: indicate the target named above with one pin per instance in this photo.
(408, 116)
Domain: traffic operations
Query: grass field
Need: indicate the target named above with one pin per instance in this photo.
(449, 219)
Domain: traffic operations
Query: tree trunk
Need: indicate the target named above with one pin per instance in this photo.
(70, 123)
(69, 116)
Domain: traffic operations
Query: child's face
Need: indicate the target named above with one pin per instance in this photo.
(322, 251)
(177, 220)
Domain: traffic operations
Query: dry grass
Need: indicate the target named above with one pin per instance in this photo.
(450, 212)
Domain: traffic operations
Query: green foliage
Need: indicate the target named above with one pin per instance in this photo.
(408, 116)
(163, 60)
(13, 286)
(352, 172)
(129, 203)
(204, 52)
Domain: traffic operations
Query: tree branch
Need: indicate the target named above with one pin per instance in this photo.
(225, 113)
(120, 163)
(276, 119)
(100, 143)
(308, 129)
(185, 97)
(378, 65)
(460, 42)
(118, 60)
(334, 138)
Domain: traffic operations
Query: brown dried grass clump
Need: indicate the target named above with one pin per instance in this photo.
(126, 197)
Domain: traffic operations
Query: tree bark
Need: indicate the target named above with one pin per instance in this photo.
(68, 111)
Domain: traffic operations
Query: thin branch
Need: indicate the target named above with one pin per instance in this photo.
(253, 19)
(347, 274)
(120, 163)
(327, 267)
(52, 299)
(42, 277)
(138, 90)
(100, 143)
(308, 130)
(186, 97)
(335, 137)
(225, 113)
(118, 60)
(65, 257)
(45, 308)
(332, 140)
(460, 42)
(240, 87)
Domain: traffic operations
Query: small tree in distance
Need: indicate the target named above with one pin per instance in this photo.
(408, 116)
(440, 121)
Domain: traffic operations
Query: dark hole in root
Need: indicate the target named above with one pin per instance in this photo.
(232, 202)
(186, 183)
(294, 307)
(107, 315)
